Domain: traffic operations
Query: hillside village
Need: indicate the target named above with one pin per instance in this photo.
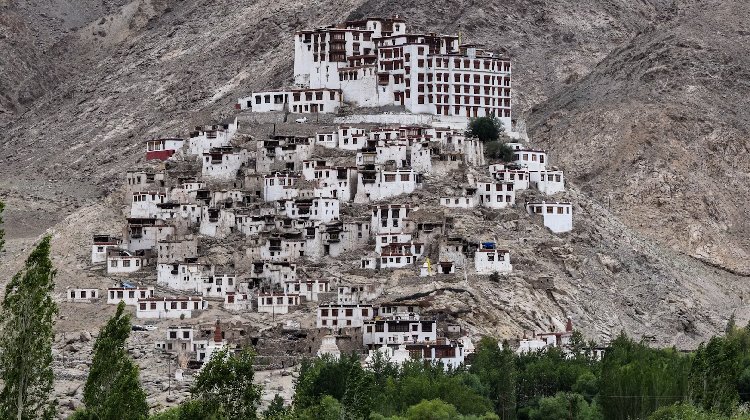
(317, 219)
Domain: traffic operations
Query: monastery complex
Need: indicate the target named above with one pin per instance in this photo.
(326, 172)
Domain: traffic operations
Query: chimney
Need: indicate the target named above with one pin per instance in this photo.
(217, 332)
(569, 325)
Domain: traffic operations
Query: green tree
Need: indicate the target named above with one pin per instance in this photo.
(717, 371)
(344, 379)
(2, 232)
(26, 321)
(113, 389)
(485, 128)
(432, 410)
(565, 406)
(276, 409)
(496, 369)
(225, 386)
(685, 411)
(496, 149)
(636, 380)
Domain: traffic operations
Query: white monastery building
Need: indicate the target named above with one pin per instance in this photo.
(375, 62)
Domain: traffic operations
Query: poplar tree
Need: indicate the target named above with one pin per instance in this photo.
(26, 319)
(113, 389)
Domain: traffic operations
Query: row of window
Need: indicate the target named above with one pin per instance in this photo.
(172, 305)
(551, 209)
(348, 312)
(125, 263)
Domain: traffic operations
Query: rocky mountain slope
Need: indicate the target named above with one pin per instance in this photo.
(641, 103)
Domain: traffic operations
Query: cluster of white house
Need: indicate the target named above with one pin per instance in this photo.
(396, 330)
(528, 169)
(288, 196)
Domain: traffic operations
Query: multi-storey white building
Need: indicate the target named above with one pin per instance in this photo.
(374, 62)
(335, 316)
(496, 194)
(381, 332)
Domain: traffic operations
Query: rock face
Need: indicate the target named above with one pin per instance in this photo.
(659, 132)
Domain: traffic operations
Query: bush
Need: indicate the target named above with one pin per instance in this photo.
(498, 150)
(485, 128)
(495, 277)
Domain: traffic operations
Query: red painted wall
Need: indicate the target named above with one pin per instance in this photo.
(159, 155)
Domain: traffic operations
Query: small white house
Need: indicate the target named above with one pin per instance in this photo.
(129, 295)
(82, 295)
(223, 163)
(533, 160)
(558, 217)
(276, 303)
(162, 149)
(122, 261)
(169, 307)
(238, 301)
(144, 203)
(458, 202)
(309, 289)
(385, 184)
(103, 243)
(519, 177)
(389, 217)
(548, 182)
(488, 260)
(450, 354)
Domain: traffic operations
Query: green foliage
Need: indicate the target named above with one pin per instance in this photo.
(113, 389)
(636, 380)
(2, 232)
(485, 128)
(496, 369)
(686, 411)
(548, 372)
(496, 149)
(495, 277)
(344, 379)
(26, 321)
(225, 387)
(432, 410)
(276, 409)
(565, 406)
(168, 414)
(718, 369)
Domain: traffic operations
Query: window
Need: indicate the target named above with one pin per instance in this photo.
(113, 263)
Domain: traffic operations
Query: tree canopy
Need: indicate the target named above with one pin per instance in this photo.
(224, 386)
(26, 319)
(485, 128)
(113, 389)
